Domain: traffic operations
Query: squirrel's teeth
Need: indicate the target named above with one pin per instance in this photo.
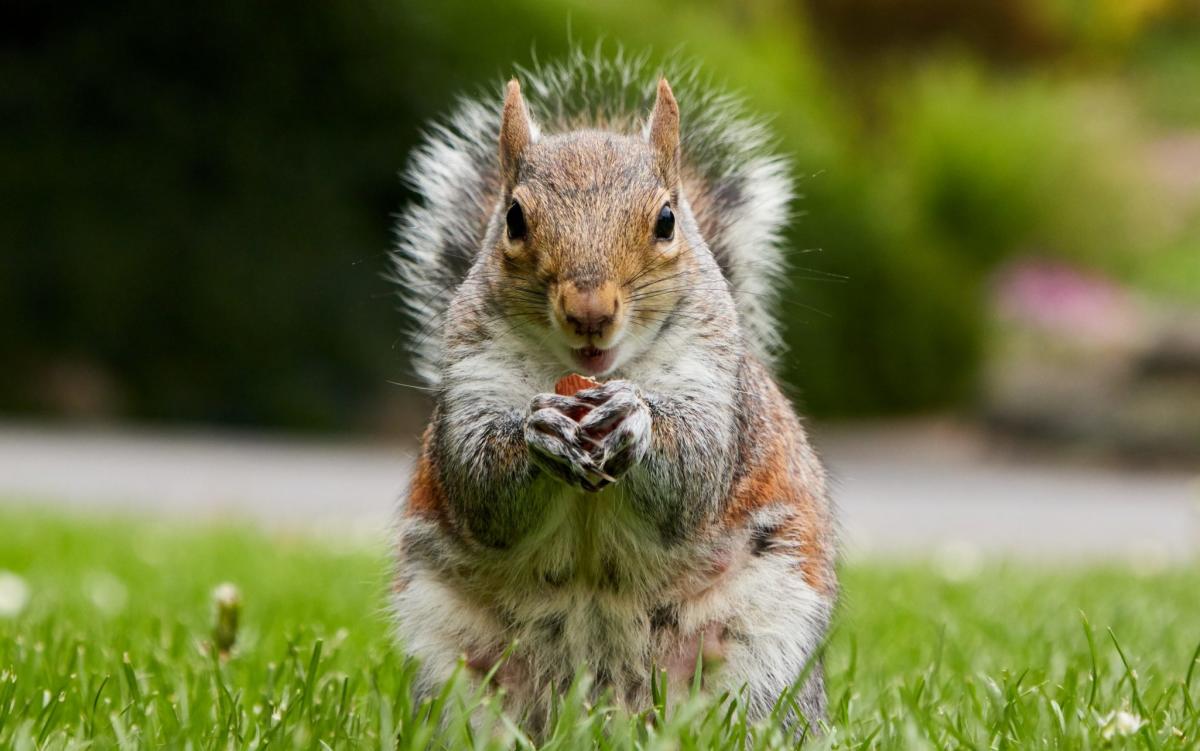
(594, 360)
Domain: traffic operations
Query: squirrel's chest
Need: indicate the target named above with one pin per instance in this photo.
(596, 541)
(595, 561)
(592, 581)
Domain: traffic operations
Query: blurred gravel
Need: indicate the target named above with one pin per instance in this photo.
(925, 488)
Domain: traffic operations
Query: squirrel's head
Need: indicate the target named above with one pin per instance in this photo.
(589, 236)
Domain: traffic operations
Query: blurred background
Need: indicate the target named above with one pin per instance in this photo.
(996, 254)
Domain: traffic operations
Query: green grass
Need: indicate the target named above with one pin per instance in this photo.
(112, 651)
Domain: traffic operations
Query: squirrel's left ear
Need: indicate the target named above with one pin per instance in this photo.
(517, 131)
(664, 134)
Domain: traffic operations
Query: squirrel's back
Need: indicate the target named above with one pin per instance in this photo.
(738, 188)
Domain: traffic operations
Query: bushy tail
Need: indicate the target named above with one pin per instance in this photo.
(741, 201)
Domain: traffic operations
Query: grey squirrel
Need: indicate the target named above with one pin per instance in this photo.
(677, 506)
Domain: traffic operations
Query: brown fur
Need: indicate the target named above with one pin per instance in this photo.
(664, 134)
(613, 186)
(781, 471)
(515, 132)
(426, 498)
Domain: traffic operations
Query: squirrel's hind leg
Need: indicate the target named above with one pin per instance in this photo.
(761, 629)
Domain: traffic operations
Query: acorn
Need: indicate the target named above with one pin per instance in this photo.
(572, 384)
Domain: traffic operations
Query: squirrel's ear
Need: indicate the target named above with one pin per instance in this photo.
(517, 131)
(664, 134)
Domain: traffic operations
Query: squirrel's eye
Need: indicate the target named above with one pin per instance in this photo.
(664, 227)
(515, 219)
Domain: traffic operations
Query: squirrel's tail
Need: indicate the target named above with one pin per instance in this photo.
(746, 187)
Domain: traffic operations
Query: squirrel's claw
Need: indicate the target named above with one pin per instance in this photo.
(554, 446)
(592, 438)
(568, 405)
(621, 425)
(598, 395)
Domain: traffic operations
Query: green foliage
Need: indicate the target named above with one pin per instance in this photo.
(880, 318)
(1165, 67)
(997, 167)
(196, 205)
(1014, 31)
(967, 170)
(112, 651)
(1175, 270)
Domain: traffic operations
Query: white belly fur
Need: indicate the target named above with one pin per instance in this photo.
(599, 615)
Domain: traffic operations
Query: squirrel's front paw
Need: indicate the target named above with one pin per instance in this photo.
(558, 446)
(619, 424)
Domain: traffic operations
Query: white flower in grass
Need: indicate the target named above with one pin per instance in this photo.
(14, 594)
(228, 602)
(1119, 723)
(227, 595)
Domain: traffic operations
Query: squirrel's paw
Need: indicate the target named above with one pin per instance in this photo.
(558, 447)
(619, 424)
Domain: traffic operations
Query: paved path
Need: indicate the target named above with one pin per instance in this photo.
(909, 489)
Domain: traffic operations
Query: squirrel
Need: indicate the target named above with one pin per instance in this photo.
(674, 512)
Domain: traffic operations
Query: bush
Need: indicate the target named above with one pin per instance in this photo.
(198, 212)
(199, 208)
(998, 166)
(881, 319)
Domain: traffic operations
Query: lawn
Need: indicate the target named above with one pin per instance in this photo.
(106, 629)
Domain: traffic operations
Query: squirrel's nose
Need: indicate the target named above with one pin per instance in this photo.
(589, 312)
(590, 323)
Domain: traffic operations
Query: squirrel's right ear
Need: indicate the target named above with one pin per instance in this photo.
(663, 134)
(517, 131)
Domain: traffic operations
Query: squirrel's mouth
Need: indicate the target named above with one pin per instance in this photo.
(593, 360)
